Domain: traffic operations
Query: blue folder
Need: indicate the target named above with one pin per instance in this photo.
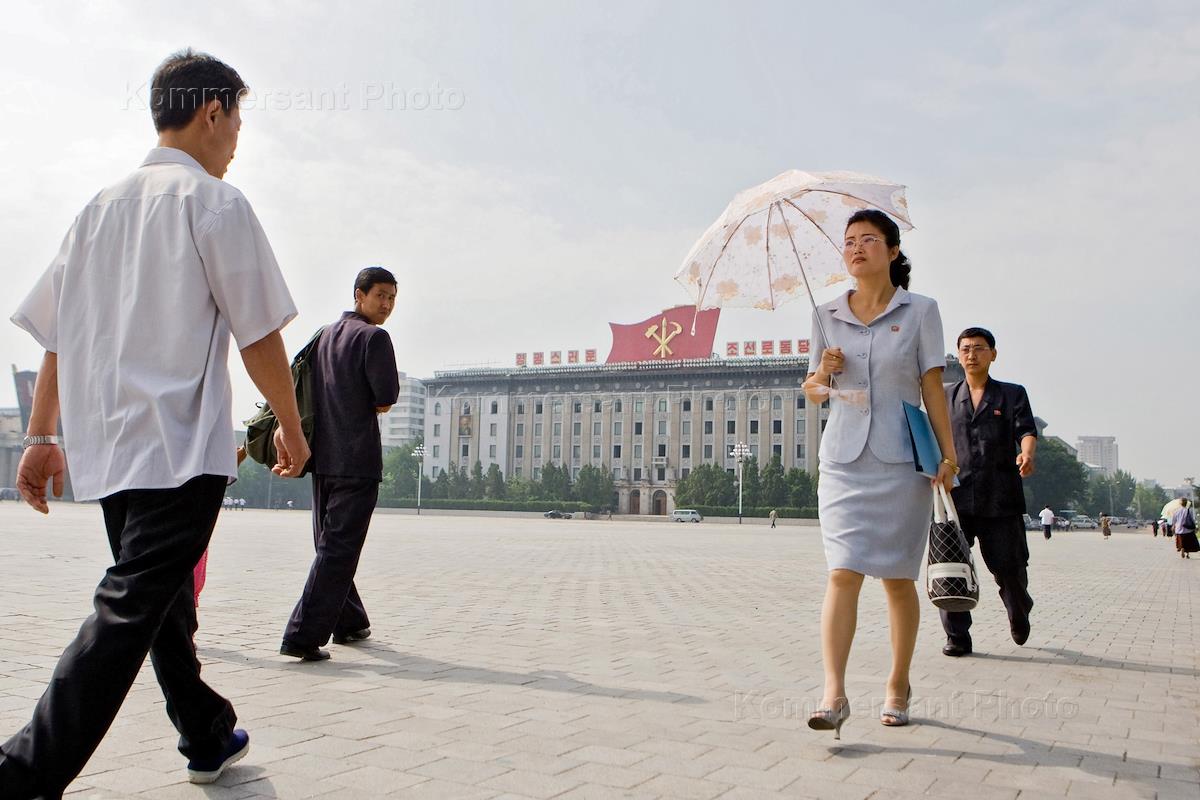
(926, 453)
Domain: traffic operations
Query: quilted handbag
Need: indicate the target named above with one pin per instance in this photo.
(950, 577)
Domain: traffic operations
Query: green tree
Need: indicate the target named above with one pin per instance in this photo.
(399, 474)
(458, 485)
(261, 489)
(706, 485)
(555, 483)
(441, 486)
(475, 487)
(801, 492)
(1149, 500)
(774, 484)
(1059, 480)
(594, 486)
(517, 488)
(752, 483)
(493, 483)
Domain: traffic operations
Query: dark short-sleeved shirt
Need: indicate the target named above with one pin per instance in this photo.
(353, 373)
(987, 439)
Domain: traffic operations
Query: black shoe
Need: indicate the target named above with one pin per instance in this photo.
(200, 771)
(1020, 630)
(352, 636)
(303, 653)
(956, 650)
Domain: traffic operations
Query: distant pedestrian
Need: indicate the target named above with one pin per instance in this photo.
(1184, 523)
(354, 380)
(1154, 525)
(1105, 525)
(1047, 518)
(136, 314)
(774, 515)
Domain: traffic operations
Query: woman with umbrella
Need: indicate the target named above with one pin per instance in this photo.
(879, 346)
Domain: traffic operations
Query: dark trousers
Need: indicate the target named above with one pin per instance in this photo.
(143, 604)
(1047, 529)
(1006, 554)
(342, 509)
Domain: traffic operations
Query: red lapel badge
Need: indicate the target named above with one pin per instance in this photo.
(995, 412)
(895, 329)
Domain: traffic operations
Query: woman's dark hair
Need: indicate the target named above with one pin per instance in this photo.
(370, 276)
(901, 268)
(186, 82)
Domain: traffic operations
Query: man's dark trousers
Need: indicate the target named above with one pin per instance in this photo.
(330, 605)
(143, 604)
(1006, 553)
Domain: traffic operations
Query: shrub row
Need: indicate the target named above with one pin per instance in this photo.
(464, 504)
(808, 512)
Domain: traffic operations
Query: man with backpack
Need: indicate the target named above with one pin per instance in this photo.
(353, 380)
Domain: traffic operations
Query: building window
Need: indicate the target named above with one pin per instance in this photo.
(617, 406)
(595, 452)
(777, 451)
(800, 426)
(617, 429)
(466, 451)
(683, 473)
(637, 406)
(495, 407)
(616, 473)
(576, 407)
(577, 429)
(637, 473)
(574, 473)
(537, 407)
(662, 405)
(708, 427)
(519, 451)
(575, 453)
(800, 401)
(777, 403)
(685, 451)
(437, 409)
(520, 408)
(437, 429)
(637, 429)
(596, 407)
(556, 408)
(776, 426)
(492, 452)
(708, 452)
(537, 473)
(687, 404)
(637, 452)
(596, 428)
(754, 403)
(730, 403)
(616, 451)
(662, 427)
(753, 427)
(437, 451)
(662, 473)
(537, 430)
(731, 426)
(685, 427)
(754, 451)
(492, 429)
(799, 452)
(520, 429)
(556, 453)
(433, 471)
(466, 409)
(662, 450)
(516, 472)
(557, 429)
(537, 452)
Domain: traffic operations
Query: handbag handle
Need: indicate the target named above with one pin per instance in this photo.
(943, 506)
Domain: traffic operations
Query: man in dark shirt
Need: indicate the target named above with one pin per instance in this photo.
(996, 440)
(353, 380)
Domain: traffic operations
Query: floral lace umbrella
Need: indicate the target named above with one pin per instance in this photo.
(783, 238)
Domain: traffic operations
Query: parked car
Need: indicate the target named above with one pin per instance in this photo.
(686, 515)
(556, 514)
(1082, 521)
(1030, 523)
(9, 493)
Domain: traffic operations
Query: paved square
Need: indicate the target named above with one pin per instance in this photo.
(522, 657)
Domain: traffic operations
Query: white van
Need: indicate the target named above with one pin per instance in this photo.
(685, 515)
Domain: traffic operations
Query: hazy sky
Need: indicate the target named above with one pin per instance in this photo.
(532, 171)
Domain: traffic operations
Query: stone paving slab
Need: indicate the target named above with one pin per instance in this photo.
(530, 658)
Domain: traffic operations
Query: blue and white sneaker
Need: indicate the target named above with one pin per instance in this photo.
(207, 771)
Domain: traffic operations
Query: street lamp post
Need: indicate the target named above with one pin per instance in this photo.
(739, 452)
(419, 452)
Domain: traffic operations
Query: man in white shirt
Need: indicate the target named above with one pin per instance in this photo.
(135, 314)
(1047, 517)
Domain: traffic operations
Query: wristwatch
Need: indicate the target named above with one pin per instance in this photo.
(30, 441)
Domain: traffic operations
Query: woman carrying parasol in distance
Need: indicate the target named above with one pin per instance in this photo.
(879, 345)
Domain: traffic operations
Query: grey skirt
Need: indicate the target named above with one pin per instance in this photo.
(874, 516)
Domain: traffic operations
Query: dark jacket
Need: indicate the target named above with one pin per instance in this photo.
(987, 440)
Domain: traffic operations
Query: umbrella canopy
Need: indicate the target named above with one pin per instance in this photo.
(783, 239)
(1170, 508)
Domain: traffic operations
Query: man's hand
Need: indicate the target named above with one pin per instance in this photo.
(40, 464)
(293, 452)
(1025, 465)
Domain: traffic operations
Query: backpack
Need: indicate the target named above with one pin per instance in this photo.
(260, 429)
(1188, 523)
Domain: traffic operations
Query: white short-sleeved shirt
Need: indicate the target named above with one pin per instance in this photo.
(886, 360)
(139, 304)
(1047, 516)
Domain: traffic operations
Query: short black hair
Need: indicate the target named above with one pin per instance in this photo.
(977, 333)
(186, 82)
(367, 278)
